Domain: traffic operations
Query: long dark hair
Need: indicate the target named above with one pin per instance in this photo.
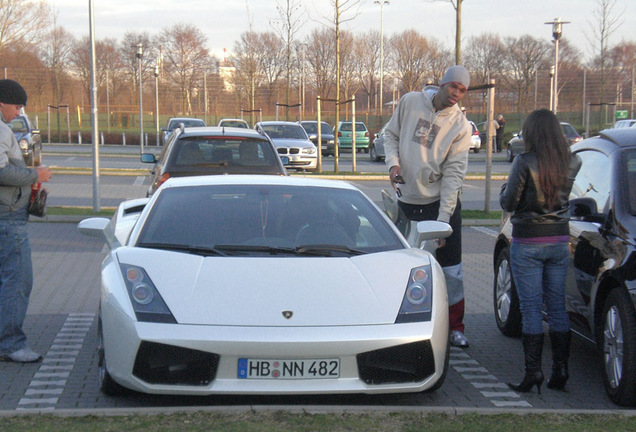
(542, 135)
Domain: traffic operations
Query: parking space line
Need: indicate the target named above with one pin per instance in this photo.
(481, 378)
(57, 365)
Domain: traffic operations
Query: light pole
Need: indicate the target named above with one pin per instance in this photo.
(556, 34)
(140, 54)
(157, 102)
(381, 3)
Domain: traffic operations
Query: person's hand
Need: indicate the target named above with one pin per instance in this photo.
(441, 243)
(395, 175)
(44, 173)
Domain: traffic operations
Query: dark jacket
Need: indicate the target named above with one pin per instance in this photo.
(523, 197)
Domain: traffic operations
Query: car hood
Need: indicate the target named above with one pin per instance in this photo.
(292, 142)
(21, 135)
(255, 291)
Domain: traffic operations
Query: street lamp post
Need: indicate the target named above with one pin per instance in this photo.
(140, 54)
(381, 3)
(556, 34)
(157, 102)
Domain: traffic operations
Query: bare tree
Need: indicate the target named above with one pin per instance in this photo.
(411, 58)
(366, 60)
(55, 51)
(105, 50)
(291, 19)
(248, 76)
(22, 22)
(485, 56)
(608, 20)
(322, 62)
(130, 68)
(523, 57)
(186, 59)
(271, 57)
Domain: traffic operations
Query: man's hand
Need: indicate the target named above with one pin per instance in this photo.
(44, 173)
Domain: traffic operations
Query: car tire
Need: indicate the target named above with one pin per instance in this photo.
(107, 384)
(617, 347)
(509, 154)
(37, 156)
(476, 150)
(373, 154)
(505, 299)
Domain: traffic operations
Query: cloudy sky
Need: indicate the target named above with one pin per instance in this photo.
(223, 21)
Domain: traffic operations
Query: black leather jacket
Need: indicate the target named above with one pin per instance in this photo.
(523, 197)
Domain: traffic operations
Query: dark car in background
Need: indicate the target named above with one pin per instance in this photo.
(213, 150)
(28, 139)
(601, 282)
(327, 139)
(516, 146)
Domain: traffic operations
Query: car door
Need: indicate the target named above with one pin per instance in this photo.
(589, 248)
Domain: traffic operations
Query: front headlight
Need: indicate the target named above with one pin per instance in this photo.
(24, 144)
(145, 299)
(417, 304)
(309, 150)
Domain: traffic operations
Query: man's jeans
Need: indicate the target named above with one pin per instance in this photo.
(16, 281)
(540, 272)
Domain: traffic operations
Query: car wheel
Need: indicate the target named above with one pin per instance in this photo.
(617, 344)
(476, 150)
(373, 154)
(509, 153)
(506, 301)
(107, 385)
(29, 160)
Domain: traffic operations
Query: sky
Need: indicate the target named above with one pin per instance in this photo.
(223, 21)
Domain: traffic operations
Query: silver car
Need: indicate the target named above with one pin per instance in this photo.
(292, 141)
(376, 149)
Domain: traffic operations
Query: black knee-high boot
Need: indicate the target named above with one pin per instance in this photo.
(560, 354)
(532, 348)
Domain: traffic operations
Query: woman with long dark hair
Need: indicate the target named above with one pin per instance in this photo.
(537, 194)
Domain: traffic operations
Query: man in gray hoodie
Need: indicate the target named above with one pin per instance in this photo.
(16, 272)
(427, 144)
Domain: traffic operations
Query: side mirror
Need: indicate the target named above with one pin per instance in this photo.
(585, 209)
(148, 158)
(100, 228)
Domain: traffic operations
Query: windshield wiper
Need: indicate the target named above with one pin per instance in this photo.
(327, 250)
(272, 250)
(197, 250)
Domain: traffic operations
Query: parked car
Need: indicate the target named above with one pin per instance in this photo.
(327, 139)
(376, 149)
(475, 138)
(345, 136)
(515, 145)
(205, 291)
(174, 123)
(625, 123)
(213, 150)
(239, 123)
(291, 141)
(601, 283)
(28, 139)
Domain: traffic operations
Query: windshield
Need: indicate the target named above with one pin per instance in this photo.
(266, 219)
(224, 150)
(346, 127)
(18, 125)
(291, 131)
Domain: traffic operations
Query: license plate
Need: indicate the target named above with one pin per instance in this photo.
(288, 369)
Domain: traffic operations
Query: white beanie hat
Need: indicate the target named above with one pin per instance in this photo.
(458, 74)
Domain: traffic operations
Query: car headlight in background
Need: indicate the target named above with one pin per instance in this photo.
(418, 298)
(24, 144)
(146, 300)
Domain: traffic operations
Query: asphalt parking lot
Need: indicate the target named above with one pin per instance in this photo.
(61, 324)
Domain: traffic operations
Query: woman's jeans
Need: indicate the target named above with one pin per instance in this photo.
(539, 273)
(16, 281)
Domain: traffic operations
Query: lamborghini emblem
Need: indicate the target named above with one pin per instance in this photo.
(288, 314)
